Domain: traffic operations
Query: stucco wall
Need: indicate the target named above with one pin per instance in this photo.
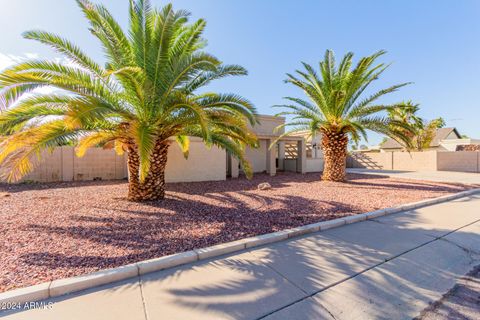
(267, 125)
(203, 164)
(291, 165)
(258, 157)
(463, 161)
(314, 165)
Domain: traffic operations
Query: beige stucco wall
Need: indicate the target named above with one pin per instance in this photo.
(463, 161)
(267, 125)
(203, 164)
(314, 165)
(258, 157)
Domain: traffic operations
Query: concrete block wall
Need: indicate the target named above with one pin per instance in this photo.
(98, 163)
(415, 161)
(462, 161)
(48, 168)
(61, 164)
(370, 160)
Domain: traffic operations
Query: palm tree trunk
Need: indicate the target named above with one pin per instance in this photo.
(153, 187)
(334, 146)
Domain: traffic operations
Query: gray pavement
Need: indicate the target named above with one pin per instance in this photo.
(438, 176)
(391, 267)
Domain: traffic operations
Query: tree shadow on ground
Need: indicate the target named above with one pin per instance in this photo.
(22, 186)
(219, 216)
(313, 263)
(301, 270)
(283, 179)
(149, 234)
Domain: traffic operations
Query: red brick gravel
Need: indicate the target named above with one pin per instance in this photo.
(57, 230)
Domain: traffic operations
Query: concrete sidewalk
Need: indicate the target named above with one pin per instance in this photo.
(438, 176)
(387, 268)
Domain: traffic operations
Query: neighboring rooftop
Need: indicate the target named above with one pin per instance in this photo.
(441, 134)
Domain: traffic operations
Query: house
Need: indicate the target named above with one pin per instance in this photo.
(446, 139)
(295, 152)
(267, 158)
(289, 153)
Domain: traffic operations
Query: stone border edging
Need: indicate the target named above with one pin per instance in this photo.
(61, 287)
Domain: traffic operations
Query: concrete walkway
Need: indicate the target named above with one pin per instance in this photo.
(438, 176)
(388, 268)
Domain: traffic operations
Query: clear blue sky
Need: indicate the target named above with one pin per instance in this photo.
(433, 43)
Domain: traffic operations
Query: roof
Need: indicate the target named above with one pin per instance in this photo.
(441, 134)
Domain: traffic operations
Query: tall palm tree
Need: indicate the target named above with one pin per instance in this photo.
(335, 108)
(139, 102)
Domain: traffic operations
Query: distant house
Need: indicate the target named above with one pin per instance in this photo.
(446, 139)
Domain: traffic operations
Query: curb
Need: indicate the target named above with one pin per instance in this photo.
(61, 287)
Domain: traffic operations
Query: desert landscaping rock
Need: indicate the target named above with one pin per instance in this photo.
(264, 186)
(49, 236)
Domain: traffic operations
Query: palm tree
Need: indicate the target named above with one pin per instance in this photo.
(335, 107)
(139, 102)
(407, 114)
(421, 132)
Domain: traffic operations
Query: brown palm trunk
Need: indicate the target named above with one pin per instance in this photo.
(153, 187)
(334, 146)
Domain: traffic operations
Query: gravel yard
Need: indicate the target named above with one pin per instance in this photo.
(57, 230)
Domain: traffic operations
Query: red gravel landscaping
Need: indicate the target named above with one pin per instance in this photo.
(57, 230)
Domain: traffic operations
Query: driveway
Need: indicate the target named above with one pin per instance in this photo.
(391, 267)
(438, 176)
